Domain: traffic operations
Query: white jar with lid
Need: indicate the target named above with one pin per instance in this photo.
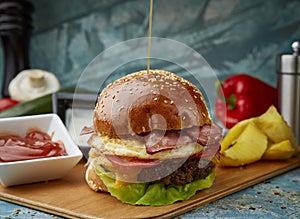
(33, 83)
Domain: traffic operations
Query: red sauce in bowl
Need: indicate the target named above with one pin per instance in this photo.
(35, 144)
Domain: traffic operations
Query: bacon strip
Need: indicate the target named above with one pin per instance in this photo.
(158, 141)
(87, 130)
(207, 134)
(18, 148)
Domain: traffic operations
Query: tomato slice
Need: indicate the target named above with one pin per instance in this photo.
(6, 103)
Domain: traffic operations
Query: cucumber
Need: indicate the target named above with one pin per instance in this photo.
(40, 105)
(36, 106)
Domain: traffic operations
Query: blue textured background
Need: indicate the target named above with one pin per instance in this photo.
(232, 35)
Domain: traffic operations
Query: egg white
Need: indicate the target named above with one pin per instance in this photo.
(134, 148)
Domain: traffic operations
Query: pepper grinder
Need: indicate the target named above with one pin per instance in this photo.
(288, 71)
(15, 30)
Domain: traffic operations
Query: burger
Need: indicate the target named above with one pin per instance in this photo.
(153, 140)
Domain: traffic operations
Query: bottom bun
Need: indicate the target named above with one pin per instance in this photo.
(94, 181)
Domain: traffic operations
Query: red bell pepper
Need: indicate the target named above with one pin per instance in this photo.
(241, 97)
(6, 103)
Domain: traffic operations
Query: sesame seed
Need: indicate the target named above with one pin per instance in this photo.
(171, 102)
(183, 118)
(113, 97)
(155, 98)
(203, 114)
(122, 107)
(165, 101)
(195, 96)
(172, 88)
(186, 100)
(117, 100)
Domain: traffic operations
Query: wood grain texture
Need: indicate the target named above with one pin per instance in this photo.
(71, 197)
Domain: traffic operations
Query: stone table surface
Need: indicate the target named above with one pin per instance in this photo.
(278, 197)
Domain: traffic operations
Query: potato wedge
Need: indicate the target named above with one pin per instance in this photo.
(275, 127)
(249, 147)
(279, 151)
(229, 162)
(234, 133)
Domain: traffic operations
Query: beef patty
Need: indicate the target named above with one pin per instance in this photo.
(178, 171)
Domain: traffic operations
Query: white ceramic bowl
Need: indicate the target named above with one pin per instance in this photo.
(41, 169)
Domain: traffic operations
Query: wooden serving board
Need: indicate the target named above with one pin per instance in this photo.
(71, 197)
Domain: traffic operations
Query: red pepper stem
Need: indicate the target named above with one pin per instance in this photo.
(231, 101)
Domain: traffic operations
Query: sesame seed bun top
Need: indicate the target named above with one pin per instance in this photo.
(140, 102)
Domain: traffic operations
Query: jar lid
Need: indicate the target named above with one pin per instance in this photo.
(290, 63)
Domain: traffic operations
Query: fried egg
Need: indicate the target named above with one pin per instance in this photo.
(134, 148)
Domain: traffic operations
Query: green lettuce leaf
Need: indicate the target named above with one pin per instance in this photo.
(153, 194)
